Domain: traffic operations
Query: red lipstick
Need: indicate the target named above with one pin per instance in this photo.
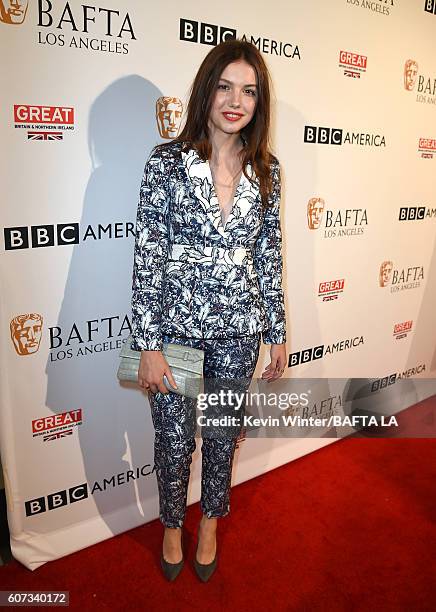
(231, 116)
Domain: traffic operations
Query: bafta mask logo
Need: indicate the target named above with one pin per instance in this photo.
(410, 74)
(315, 209)
(385, 273)
(13, 11)
(168, 116)
(26, 333)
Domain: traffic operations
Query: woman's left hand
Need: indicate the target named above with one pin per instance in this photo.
(278, 363)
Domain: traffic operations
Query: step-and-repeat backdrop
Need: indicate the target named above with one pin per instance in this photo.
(86, 92)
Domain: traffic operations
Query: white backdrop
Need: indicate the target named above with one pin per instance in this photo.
(78, 119)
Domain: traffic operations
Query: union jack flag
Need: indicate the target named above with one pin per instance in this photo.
(45, 135)
(329, 297)
(349, 73)
(57, 435)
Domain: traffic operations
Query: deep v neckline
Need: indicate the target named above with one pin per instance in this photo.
(232, 198)
(199, 176)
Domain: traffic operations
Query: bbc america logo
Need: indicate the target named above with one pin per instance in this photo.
(62, 234)
(338, 136)
(56, 500)
(211, 34)
(318, 352)
(81, 492)
(381, 383)
(204, 33)
(414, 213)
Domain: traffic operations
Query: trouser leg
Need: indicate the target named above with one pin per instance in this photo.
(232, 358)
(173, 418)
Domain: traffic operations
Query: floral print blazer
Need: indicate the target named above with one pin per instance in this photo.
(193, 276)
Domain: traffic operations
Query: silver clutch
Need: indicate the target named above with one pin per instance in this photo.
(186, 365)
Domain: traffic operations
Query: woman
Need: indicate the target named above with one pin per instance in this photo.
(207, 273)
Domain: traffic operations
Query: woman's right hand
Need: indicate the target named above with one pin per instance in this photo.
(152, 368)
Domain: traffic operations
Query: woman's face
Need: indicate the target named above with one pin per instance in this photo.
(235, 99)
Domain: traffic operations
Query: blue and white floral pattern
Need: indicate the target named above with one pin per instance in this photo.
(174, 421)
(193, 276)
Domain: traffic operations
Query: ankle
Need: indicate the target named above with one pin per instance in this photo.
(172, 535)
(208, 525)
(173, 530)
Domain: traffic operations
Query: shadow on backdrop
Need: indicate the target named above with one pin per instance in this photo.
(113, 436)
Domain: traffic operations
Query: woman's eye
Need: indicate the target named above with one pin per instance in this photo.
(222, 86)
(251, 92)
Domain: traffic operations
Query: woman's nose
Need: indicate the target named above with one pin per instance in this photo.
(235, 98)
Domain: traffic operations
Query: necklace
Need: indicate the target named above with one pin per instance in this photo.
(232, 184)
(228, 207)
(235, 178)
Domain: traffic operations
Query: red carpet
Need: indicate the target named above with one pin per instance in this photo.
(349, 527)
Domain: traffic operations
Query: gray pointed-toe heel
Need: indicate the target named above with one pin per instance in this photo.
(172, 570)
(205, 570)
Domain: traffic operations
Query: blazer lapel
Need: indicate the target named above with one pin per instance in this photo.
(245, 197)
(200, 176)
(202, 184)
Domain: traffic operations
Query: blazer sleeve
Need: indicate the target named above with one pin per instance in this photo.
(150, 256)
(268, 264)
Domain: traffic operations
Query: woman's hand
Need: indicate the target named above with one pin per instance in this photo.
(278, 363)
(152, 367)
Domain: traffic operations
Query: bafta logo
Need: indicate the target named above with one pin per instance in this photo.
(385, 273)
(13, 11)
(168, 116)
(315, 209)
(26, 332)
(410, 74)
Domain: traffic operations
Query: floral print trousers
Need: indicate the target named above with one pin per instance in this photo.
(174, 424)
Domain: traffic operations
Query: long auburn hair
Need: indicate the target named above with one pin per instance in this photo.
(256, 133)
